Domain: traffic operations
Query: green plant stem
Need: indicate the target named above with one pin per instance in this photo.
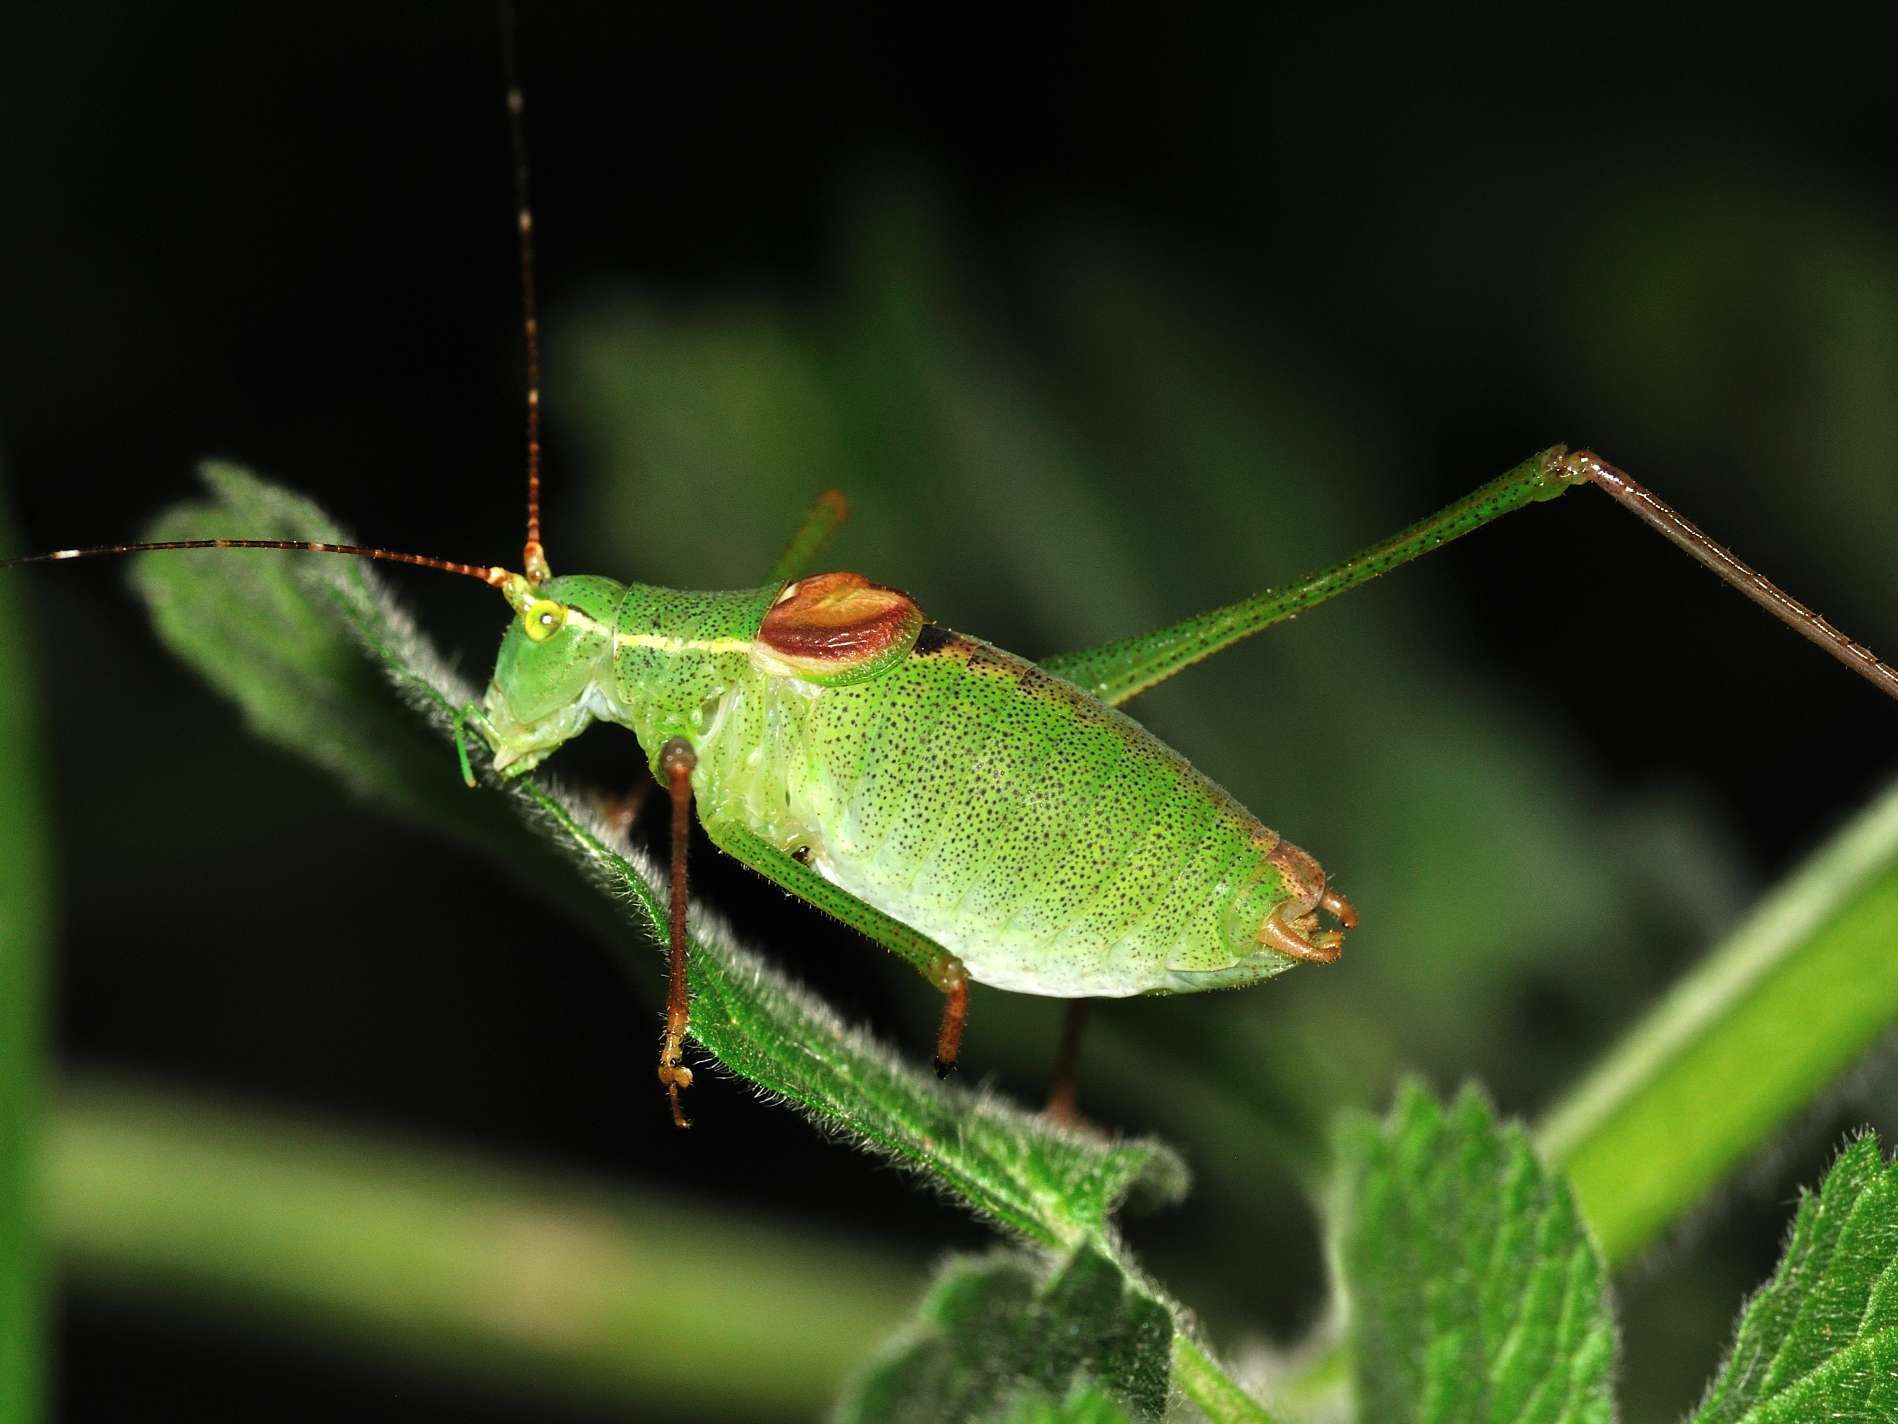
(1203, 1382)
(1772, 1017)
(23, 910)
(522, 1279)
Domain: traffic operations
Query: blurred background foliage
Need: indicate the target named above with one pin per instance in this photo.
(1097, 319)
(24, 885)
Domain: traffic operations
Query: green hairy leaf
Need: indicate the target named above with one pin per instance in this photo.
(997, 1341)
(1085, 1405)
(1820, 1340)
(285, 635)
(1475, 1293)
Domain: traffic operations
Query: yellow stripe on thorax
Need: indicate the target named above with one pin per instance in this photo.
(661, 642)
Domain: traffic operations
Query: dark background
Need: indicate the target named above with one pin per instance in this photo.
(1312, 272)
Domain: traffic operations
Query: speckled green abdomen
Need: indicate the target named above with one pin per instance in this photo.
(1050, 842)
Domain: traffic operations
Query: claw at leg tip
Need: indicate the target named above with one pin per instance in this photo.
(675, 1076)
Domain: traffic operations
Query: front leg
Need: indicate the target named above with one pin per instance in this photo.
(471, 715)
(676, 761)
(942, 969)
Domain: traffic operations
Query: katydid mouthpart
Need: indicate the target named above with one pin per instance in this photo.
(984, 817)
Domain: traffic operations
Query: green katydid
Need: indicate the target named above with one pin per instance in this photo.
(985, 818)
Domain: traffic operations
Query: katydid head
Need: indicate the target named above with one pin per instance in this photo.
(560, 642)
(562, 628)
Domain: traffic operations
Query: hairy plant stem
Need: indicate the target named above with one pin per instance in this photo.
(1209, 1387)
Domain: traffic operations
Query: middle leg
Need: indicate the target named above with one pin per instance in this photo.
(942, 969)
(1067, 1062)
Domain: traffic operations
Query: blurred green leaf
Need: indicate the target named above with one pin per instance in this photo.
(24, 872)
(1820, 1340)
(1083, 1405)
(513, 1276)
(275, 631)
(998, 1328)
(1674, 289)
(1474, 1291)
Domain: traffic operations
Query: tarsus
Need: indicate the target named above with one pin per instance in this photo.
(1680, 531)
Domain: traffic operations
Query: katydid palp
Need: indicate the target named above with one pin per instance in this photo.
(1145, 663)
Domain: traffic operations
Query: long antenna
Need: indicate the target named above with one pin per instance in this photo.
(533, 558)
(486, 573)
(1678, 530)
(517, 589)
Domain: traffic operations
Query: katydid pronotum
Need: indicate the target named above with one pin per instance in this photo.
(877, 614)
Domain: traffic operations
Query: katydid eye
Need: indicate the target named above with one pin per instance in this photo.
(543, 618)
